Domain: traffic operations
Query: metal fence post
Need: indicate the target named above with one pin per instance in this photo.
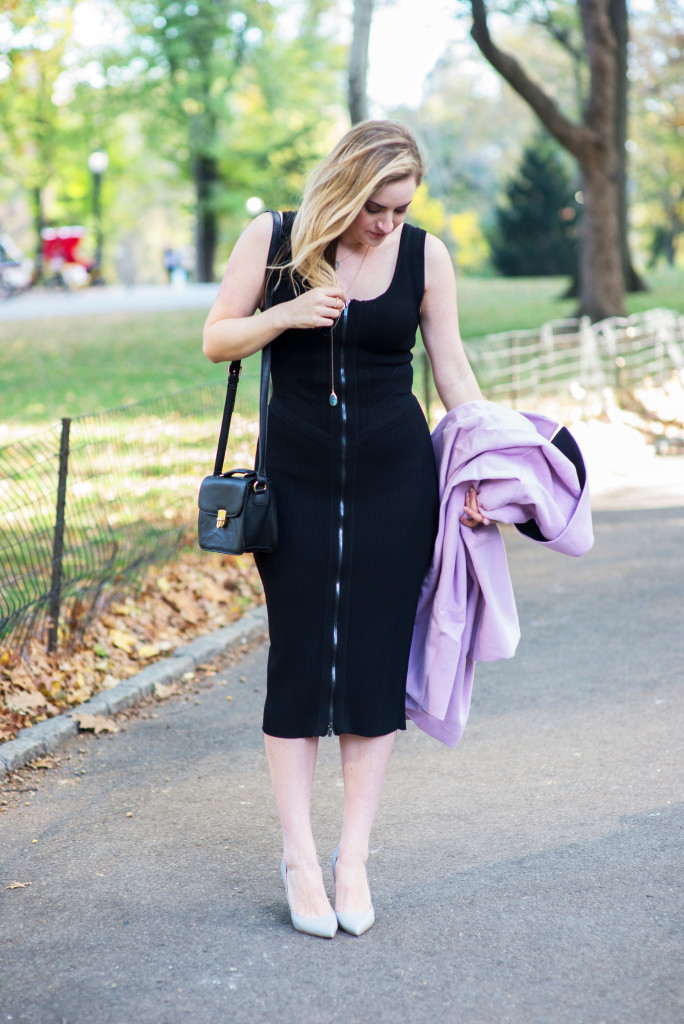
(55, 594)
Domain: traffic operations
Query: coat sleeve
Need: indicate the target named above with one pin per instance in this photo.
(528, 473)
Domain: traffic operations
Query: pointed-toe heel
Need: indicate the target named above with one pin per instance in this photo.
(324, 927)
(353, 922)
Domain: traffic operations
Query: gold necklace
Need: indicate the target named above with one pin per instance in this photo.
(360, 268)
(354, 249)
(333, 396)
(338, 263)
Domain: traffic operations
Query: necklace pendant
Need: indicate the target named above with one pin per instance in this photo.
(337, 264)
(333, 398)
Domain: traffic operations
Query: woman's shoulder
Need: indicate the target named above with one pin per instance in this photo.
(431, 250)
(436, 253)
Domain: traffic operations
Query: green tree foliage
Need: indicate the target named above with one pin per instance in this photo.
(657, 138)
(535, 232)
(33, 40)
(233, 99)
(199, 105)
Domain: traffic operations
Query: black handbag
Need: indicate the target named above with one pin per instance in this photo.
(237, 510)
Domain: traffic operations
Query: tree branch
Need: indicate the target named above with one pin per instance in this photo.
(574, 137)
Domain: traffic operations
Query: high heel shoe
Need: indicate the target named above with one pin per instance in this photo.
(355, 922)
(324, 927)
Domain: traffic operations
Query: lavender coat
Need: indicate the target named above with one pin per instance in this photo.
(466, 610)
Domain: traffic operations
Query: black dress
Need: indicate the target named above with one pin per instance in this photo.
(357, 499)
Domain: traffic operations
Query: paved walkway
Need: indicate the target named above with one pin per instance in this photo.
(532, 876)
(111, 299)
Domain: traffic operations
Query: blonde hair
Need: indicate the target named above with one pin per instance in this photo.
(370, 156)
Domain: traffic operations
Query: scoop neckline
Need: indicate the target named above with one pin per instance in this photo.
(394, 274)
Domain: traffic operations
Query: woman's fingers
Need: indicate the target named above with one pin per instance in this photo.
(319, 307)
(472, 516)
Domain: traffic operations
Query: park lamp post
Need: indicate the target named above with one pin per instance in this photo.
(98, 162)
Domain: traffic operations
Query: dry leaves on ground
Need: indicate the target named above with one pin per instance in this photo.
(96, 723)
(192, 596)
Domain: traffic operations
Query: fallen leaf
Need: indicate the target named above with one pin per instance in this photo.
(148, 651)
(26, 701)
(17, 885)
(98, 723)
(185, 606)
(166, 689)
(212, 592)
(120, 609)
(123, 640)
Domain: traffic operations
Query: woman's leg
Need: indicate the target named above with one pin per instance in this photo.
(364, 763)
(292, 763)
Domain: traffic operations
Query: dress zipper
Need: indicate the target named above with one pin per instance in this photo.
(340, 524)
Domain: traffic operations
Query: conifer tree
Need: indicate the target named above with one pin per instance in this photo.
(535, 230)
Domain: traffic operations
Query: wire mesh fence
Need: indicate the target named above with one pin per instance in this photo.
(89, 503)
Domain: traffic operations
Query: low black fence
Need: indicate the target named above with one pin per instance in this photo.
(88, 504)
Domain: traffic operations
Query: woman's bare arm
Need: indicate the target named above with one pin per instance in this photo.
(454, 379)
(231, 330)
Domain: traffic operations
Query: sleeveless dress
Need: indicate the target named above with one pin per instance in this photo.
(357, 502)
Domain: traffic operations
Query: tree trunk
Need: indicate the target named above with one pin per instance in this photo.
(358, 60)
(617, 12)
(38, 225)
(592, 143)
(205, 175)
(601, 295)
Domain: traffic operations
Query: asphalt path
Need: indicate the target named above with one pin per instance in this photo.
(533, 875)
(39, 303)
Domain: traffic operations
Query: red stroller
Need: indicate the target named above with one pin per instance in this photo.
(63, 267)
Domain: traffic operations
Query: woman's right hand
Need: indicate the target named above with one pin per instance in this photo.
(318, 307)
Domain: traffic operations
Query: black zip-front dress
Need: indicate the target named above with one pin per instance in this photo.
(357, 499)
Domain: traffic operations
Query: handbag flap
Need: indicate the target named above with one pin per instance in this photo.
(227, 492)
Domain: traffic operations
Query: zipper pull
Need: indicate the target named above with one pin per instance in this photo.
(330, 729)
(333, 397)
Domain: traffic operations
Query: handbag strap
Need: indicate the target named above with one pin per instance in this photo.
(235, 369)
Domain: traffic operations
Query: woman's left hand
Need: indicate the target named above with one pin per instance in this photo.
(471, 511)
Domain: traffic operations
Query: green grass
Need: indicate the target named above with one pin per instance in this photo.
(71, 365)
(493, 305)
(68, 366)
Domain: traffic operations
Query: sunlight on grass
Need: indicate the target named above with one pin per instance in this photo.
(68, 366)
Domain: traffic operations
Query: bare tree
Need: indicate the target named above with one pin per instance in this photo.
(358, 60)
(593, 144)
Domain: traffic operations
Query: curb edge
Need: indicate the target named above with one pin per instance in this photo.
(45, 737)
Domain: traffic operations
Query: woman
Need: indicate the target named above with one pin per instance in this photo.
(350, 459)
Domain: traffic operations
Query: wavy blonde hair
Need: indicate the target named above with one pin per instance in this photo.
(370, 156)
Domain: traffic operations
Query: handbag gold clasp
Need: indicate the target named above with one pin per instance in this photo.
(220, 518)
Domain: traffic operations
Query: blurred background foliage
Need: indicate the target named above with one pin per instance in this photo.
(201, 105)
